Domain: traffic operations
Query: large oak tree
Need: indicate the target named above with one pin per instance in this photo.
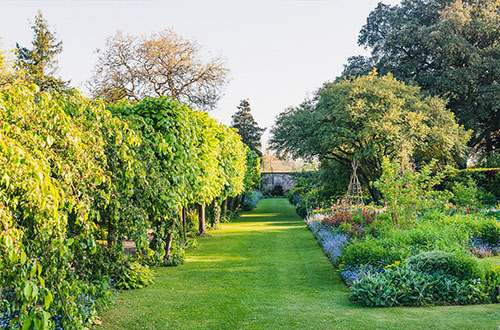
(450, 48)
(367, 118)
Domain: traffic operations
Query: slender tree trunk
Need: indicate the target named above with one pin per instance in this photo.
(169, 240)
(376, 195)
(201, 217)
(212, 214)
(111, 234)
(217, 213)
(224, 208)
(236, 202)
(184, 217)
(243, 200)
(231, 203)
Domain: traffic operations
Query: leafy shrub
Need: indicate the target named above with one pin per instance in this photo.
(465, 194)
(134, 276)
(483, 230)
(487, 181)
(371, 252)
(408, 192)
(457, 263)
(72, 171)
(424, 238)
(488, 231)
(492, 288)
(407, 286)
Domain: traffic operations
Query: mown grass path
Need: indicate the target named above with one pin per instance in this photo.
(265, 271)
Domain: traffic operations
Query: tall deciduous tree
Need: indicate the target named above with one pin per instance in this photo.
(39, 63)
(367, 118)
(160, 64)
(451, 48)
(247, 127)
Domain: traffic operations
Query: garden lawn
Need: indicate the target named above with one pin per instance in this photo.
(266, 271)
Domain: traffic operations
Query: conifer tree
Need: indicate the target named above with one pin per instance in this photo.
(39, 63)
(247, 127)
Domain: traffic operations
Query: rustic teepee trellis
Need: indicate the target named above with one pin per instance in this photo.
(354, 194)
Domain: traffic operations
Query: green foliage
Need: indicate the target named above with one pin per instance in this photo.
(406, 286)
(457, 263)
(252, 176)
(492, 278)
(434, 277)
(247, 127)
(488, 232)
(371, 252)
(232, 162)
(445, 47)
(39, 63)
(369, 118)
(476, 226)
(52, 170)
(486, 180)
(425, 237)
(134, 276)
(71, 172)
(465, 194)
(407, 192)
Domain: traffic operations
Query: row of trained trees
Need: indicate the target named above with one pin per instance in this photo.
(82, 178)
(79, 177)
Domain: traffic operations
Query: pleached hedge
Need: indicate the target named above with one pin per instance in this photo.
(78, 177)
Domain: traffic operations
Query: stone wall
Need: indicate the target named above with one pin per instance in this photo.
(272, 181)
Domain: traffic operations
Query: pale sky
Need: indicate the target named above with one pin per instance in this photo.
(279, 52)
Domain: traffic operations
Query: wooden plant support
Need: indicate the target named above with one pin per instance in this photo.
(354, 194)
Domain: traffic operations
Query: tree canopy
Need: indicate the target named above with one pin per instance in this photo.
(247, 127)
(159, 64)
(367, 118)
(449, 48)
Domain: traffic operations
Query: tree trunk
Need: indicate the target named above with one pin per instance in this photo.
(224, 208)
(201, 217)
(212, 214)
(242, 200)
(374, 192)
(184, 217)
(236, 202)
(169, 240)
(111, 234)
(231, 203)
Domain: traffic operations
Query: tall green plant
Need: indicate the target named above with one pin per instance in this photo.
(408, 192)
